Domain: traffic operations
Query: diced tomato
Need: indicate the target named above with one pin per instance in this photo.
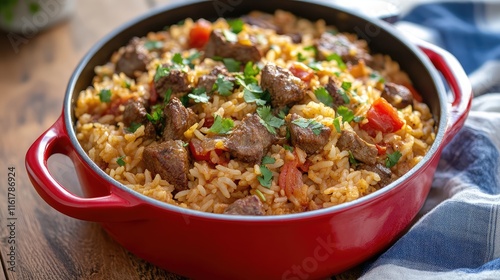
(209, 121)
(153, 95)
(199, 33)
(290, 178)
(416, 95)
(114, 106)
(199, 153)
(381, 149)
(383, 117)
(303, 73)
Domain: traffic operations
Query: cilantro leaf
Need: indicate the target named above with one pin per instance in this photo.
(120, 161)
(133, 127)
(344, 96)
(323, 96)
(288, 148)
(251, 70)
(266, 178)
(161, 72)
(346, 114)
(153, 45)
(189, 60)
(311, 48)
(231, 64)
(392, 159)
(221, 125)
(301, 57)
(236, 25)
(311, 124)
(352, 160)
(338, 59)
(105, 95)
(156, 115)
(224, 86)
(199, 95)
(177, 59)
(268, 160)
(346, 85)
(315, 65)
(336, 124)
(268, 120)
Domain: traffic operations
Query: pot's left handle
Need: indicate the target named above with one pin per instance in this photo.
(108, 208)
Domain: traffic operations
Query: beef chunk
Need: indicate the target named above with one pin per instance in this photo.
(399, 96)
(384, 172)
(133, 59)
(177, 120)
(305, 138)
(176, 80)
(360, 149)
(135, 113)
(333, 89)
(207, 81)
(284, 87)
(250, 205)
(267, 21)
(350, 52)
(218, 45)
(250, 140)
(170, 160)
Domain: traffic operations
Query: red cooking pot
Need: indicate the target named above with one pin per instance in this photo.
(313, 244)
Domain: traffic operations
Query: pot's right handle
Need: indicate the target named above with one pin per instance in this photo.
(458, 81)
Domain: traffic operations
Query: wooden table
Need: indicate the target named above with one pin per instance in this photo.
(33, 78)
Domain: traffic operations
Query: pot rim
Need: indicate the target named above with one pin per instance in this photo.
(434, 150)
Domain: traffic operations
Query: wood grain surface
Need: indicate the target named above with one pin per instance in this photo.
(34, 72)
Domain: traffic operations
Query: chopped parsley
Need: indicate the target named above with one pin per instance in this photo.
(268, 120)
(199, 95)
(311, 124)
(392, 159)
(348, 115)
(253, 92)
(250, 70)
(344, 96)
(133, 127)
(352, 160)
(323, 96)
(105, 95)
(161, 72)
(223, 85)
(231, 64)
(346, 85)
(266, 177)
(177, 59)
(153, 45)
(156, 115)
(338, 59)
(311, 48)
(315, 65)
(221, 125)
(120, 161)
(166, 97)
(288, 148)
(336, 124)
(301, 57)
(189, 60)
(268, 160)
(236, 25)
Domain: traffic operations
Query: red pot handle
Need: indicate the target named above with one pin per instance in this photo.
(458, 81)
(108, 208)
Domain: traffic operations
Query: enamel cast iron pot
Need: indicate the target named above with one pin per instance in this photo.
(314, 244)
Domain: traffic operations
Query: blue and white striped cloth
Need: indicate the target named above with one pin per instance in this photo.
(458, 236)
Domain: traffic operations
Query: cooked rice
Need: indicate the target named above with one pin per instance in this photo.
(330, 180)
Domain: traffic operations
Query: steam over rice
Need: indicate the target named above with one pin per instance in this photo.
(332, 177)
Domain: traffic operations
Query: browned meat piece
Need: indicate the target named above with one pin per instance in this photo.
(305, 138)
(284, 87)
(250, 140)
(177, 120)
(262, 20)
(135, 113)
(250, 205)
(133, 59)
(350, 52)
(333, 89)
(176, 80)
(399, 96)
(360, 149)
(207, 81)
(384, 172)
(218, 45)
(170, 160)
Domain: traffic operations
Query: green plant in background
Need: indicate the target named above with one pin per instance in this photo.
(7, 8)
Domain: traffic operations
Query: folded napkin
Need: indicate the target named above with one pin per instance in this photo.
(458, 236)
